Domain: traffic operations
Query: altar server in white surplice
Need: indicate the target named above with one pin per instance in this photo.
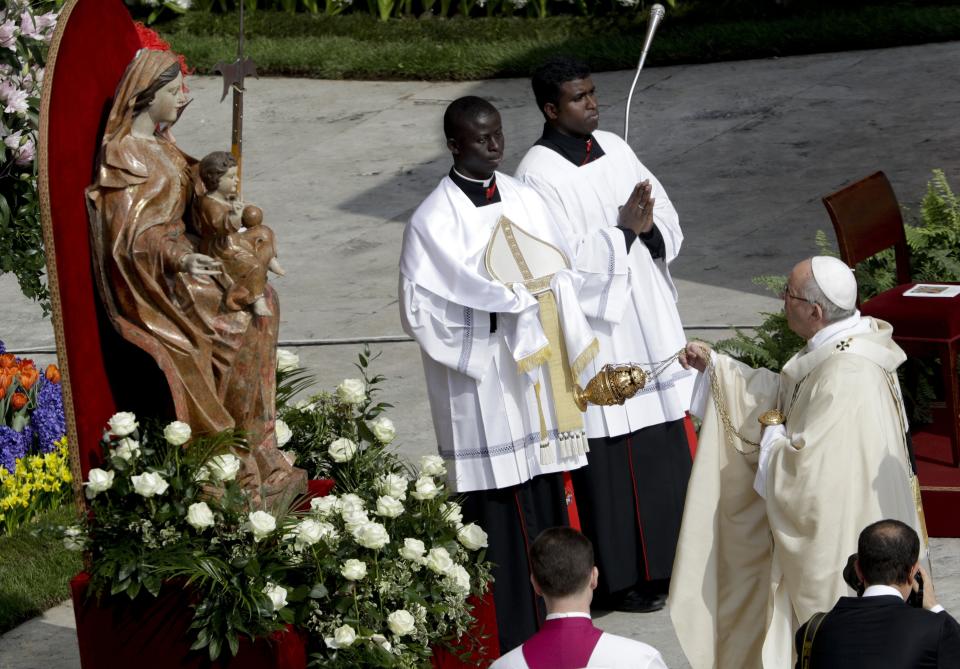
(631, 496)
(487, 291)
(790, 468)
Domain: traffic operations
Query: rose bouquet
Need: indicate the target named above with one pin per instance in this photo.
(166, 506)
(388, 560)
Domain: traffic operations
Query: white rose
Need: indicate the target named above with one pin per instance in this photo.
(324, 506)
(352, 391)
(413, 549)
(177, 433)
(432, 465)
(351, 499)
(122, 423)
(98, 481)
(438, 560)
(343, 637)
(277, 595)
(393, 485)
(261, 524)
(354, 517)
(308, 532)
(381, 641)
(287, 360)
(305, 406)
(199, 516)
(458, 579)
(371, 535)
(224, 467)
(283, 433)
(400, 622)
(425, 488)
(353, 570)
(73, 539)
(389, 507)
(342, 450)
(472, 536)
(149, 484)
(383, 430)
(127, 449)
(453, 514)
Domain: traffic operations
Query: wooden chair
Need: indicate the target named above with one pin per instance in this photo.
(866, 218)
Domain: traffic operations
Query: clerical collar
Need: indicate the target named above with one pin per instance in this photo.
(578, 151)
(481, 193)
(571, 614)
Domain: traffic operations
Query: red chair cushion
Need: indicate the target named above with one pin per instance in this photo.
(930, 318)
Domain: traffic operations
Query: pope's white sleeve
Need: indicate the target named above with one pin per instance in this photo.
(701, 390)
(768, 442)
(455, 336)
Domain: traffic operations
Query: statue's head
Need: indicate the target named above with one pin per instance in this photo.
(214, 167)
(164, 98)
(152, 84)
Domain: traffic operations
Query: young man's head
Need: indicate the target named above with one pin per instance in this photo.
(566, 96)
(562, 569)
(887, 554)
(474, 136)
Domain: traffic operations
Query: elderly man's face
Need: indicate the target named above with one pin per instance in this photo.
(803, 317)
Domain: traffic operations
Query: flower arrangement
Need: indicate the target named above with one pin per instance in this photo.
(374, 575)
(31, 410)
(25, 32)
(39, 483)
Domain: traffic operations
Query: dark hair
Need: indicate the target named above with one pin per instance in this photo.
(549, 77)
(213, 166)
(145, 97)
(887, 551)
(464, 109)
(561, 560)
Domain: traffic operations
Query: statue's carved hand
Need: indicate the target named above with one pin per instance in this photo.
(197, 264)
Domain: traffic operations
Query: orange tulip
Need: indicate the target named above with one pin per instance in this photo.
(7, 360)
(3, 392)
(18, 401)
(6, 378)
(27, 363)
(28, 377)
(52, 374)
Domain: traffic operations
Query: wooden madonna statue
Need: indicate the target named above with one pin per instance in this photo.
(156, 289)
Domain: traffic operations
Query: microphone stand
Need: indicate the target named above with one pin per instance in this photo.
(656, 15)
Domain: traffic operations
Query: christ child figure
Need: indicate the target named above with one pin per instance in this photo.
(233, 233)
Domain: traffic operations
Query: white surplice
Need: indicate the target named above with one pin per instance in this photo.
(485, 412)
(585, 202)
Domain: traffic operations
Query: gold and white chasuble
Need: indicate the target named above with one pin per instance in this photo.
(750, 570)
(492, 394)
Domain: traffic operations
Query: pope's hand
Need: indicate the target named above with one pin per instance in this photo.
(197, 264)
(696, 355)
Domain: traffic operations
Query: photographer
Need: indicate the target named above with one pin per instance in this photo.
(886, 627)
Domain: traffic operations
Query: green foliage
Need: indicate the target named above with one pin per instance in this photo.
(35, 568)
(360, 46)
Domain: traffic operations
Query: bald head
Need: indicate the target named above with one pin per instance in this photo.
(887, 551)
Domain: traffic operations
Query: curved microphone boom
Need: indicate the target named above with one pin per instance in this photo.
(656, 14)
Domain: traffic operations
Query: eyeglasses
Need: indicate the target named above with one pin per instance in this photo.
(785, 293)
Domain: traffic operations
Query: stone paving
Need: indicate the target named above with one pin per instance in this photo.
(745, 150)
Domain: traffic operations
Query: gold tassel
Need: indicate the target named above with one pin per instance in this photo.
(546, 453)
(585, 358)
(534, 360)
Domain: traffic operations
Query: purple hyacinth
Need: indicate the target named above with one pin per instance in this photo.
(3, 347)
(12, 446)
(47, 420)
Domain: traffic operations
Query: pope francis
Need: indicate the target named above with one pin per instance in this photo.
(789, 469)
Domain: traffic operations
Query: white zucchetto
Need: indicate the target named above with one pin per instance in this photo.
(836, 280)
